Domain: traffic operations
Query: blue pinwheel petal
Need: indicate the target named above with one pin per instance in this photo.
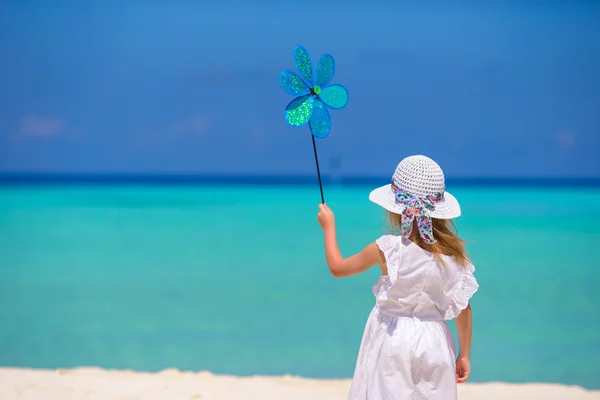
(299, 111)
(335, 96)
(325, 70)
(320, 122)
(304, 64)
(293, 84)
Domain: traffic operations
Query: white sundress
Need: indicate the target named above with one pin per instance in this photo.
(407, 350)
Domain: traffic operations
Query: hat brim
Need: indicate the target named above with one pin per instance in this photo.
(385, 197)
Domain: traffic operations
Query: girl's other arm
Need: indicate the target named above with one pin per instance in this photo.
(464, 323)
(338, 265)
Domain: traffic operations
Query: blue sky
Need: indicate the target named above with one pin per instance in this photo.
(485, 88)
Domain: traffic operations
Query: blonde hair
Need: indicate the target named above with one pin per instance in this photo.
(444, 232)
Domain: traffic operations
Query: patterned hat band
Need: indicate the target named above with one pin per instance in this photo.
(419, 207)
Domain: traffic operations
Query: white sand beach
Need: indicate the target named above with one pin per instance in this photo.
(97, 384)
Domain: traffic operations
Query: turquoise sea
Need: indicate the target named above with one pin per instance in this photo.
(233, 280)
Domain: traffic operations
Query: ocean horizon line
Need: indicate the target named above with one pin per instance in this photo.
(60, 179)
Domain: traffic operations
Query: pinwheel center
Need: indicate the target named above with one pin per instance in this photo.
(315, 91)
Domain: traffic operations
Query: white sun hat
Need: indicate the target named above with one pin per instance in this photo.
(419, 176)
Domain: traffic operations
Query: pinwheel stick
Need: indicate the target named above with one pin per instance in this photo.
(318, 170)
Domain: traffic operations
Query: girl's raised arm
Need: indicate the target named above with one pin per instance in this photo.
(338, 265)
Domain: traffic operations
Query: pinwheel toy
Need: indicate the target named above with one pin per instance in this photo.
(313, 97)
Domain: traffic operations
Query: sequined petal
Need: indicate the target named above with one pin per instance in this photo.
(335, 96)
(320, 122)
(293, 84)
(304, 64)
(299, 111)
(325, 70)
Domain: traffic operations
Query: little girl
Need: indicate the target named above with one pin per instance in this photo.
(407, 350)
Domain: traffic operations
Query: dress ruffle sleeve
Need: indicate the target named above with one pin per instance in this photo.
(461, 293)
(391, 248)
(386, 244)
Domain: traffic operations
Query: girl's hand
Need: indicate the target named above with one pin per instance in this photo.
(463, 369)
(325, 217)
